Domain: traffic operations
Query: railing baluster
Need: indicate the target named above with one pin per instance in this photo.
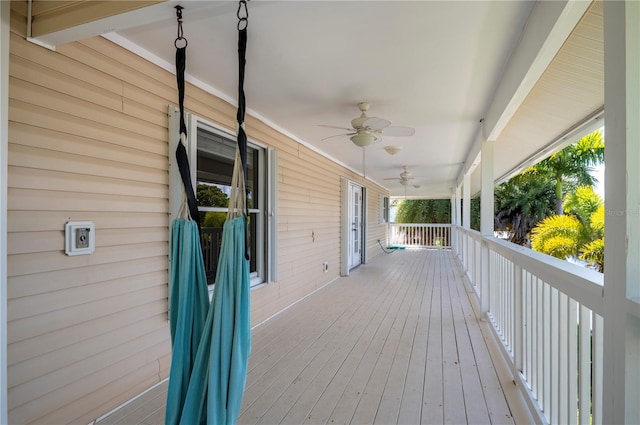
(572, 363)
(556, 324)
(597, 364)
(584, 395)
(546, 363)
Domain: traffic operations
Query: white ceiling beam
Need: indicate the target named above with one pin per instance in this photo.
(548, 27)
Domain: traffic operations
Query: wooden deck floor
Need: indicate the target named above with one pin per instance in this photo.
(399, 341)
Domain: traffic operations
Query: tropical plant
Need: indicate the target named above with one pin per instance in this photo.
(593, 253)
(579, 233)
(572, 166)
(424, 211)
(521, 203)
(559, 235)
(582, 203)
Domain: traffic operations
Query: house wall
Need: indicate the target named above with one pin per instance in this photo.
(88, 140)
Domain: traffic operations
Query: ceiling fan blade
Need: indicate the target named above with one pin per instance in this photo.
(375, 123)
(396, 131)
(391, 178)
(333, 126)
(338, 135)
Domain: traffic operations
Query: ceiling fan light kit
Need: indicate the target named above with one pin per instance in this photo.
(367, 130)
(364, 139)
(392, 150)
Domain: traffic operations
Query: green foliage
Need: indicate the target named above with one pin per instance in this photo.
(424, 211)
(211, 196)
(214, 219)
(521, 203)
(580, 233)
(474, 209)
(558, 235)
(597, 221)
(572, 166)
(593, 253)
(582, 203)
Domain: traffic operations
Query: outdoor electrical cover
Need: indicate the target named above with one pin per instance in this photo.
(80, 237)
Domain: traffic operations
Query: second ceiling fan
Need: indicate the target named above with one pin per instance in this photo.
(368, 130)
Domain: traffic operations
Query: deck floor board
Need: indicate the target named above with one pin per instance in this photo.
(398, 341)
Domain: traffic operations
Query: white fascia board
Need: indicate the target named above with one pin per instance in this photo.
(548, 27)
(546, 30)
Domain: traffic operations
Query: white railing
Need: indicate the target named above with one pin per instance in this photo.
(548, 315)
(420, 235)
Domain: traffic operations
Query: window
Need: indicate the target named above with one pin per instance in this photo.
(384, 209)
(211, 155)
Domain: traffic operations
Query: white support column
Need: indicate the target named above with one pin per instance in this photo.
(458, 221)
(458, 197)
(5, 25)
(466, 201)
(486, 220)
(466, 220)
(621, 374)
(452, 238)
(486, 189)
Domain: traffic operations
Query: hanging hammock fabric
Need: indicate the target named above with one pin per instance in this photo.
(218, 376)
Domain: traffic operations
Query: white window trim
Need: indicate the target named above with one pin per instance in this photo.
(268, 249)
(384, 218)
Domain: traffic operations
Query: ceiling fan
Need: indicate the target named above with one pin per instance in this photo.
(405, 176)
(367, 130)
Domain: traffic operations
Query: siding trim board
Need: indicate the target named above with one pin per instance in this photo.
(5, 35)
(87, 333)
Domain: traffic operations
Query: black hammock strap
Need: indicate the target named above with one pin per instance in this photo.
(242, 135)
(181, 152)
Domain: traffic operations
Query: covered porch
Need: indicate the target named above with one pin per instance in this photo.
(401, 340)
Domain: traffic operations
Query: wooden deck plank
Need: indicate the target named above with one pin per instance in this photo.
(380, 367)
(474, 400)
(393, 394)
(454, 409)
(399, 341)
(319, 398)
(411, 403)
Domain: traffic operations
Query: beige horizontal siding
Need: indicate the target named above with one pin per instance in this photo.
(88, 141)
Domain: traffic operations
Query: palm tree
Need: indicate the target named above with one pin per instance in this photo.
(521, 203)
(572, 165)
(579, 233)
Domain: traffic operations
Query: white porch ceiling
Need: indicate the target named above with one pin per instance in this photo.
(434, 65)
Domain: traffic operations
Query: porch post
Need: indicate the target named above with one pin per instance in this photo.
(452, 232)
(5, 24)
(458, 221)
(486, 220)
(621, 374)
(466, 201)
(466, 220)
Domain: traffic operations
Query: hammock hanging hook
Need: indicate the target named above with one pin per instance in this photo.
(243, 15)
(180, 42)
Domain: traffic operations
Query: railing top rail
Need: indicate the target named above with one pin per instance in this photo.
(582, 284)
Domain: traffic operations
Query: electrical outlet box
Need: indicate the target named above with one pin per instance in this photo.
(80, 237)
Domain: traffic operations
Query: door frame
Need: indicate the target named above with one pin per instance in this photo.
(345, 224)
